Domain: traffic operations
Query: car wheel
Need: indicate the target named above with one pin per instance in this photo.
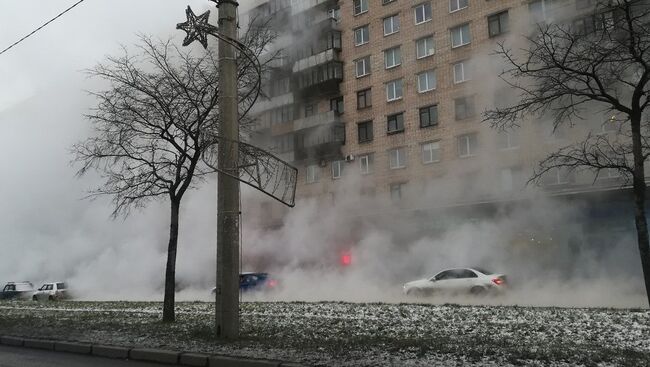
(50, 298)
(34, 298)
(478, 291)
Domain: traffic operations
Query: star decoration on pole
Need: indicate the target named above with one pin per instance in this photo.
(196, 28)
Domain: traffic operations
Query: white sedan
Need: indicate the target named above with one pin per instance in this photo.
(457, 281)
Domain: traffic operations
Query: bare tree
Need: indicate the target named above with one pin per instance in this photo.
(600, 62)
(154, 128)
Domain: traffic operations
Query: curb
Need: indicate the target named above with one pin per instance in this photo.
(155, 355)
(142, 354)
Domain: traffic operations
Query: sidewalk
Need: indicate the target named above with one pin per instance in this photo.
(142, 354)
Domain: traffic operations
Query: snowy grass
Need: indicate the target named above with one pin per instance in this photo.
(356, 334)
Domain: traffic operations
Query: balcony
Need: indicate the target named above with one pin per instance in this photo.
(315, 60)
(320, 143)
(321, 79)
(266, 104)
(321, 21)
(320, 119)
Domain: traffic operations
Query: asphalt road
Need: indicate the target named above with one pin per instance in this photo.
(27, 357)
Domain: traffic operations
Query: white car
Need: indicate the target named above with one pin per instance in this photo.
(51, 292)
(456, 281)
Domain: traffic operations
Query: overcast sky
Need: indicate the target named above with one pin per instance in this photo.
(46, 230)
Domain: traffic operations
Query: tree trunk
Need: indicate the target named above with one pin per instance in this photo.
(639, 188)
(170, 271)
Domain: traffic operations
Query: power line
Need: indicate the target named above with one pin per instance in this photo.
(39, 28)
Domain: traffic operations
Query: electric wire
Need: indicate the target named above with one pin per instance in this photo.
(41, 27)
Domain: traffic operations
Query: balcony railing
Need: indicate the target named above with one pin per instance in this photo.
(304, 5)
(315, 60)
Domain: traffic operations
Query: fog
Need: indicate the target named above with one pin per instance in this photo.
(48, 232)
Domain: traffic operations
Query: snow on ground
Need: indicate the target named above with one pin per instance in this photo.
(357, 334)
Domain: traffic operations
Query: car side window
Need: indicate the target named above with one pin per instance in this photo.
(465, 273)
(49, 287)
(444, 275)
(60, 285)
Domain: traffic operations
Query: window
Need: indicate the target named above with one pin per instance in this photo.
(284, 143)
(558, 176)
(280, 87)
(337, 169)
(511, 178)
(430, 152)
(361, 35)
(365, 131)
(426, 81)
(455, 5)
(395, 123)
(392, 57)
(447, 274)
(310, 109)
(467, 145)
(508, 139)
(422, 13)
(394, 90)
(362, 66)
(366, 162)
(498, 24)
(397, 190)
(360, 6)
(424, 47)
(537, 10)
(464, 107)
(462, 72)
(364, 98)
(429, 116)
(391, 24)
(397, 158)
(336, 105)
(608, 173)
(312, 173)
(384, 2)
(460, 36)
(334, 13)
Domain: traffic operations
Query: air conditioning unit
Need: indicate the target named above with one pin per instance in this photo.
(349, 158)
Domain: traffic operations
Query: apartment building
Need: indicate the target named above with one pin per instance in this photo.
(389, 95)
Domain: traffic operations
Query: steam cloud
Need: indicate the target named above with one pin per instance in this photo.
(47, 233)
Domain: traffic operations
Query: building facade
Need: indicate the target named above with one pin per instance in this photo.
(383, 99)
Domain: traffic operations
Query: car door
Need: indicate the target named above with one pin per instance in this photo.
(443, 281)
(453, 281)
(467, 279)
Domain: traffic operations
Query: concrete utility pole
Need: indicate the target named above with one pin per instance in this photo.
(227, 292)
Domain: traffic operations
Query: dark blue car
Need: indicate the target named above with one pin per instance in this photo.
(256, 282)
(249, 282)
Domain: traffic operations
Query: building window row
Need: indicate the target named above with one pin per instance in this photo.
(423, 12)
(428, 117)
(461, 70)
(430, 152)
